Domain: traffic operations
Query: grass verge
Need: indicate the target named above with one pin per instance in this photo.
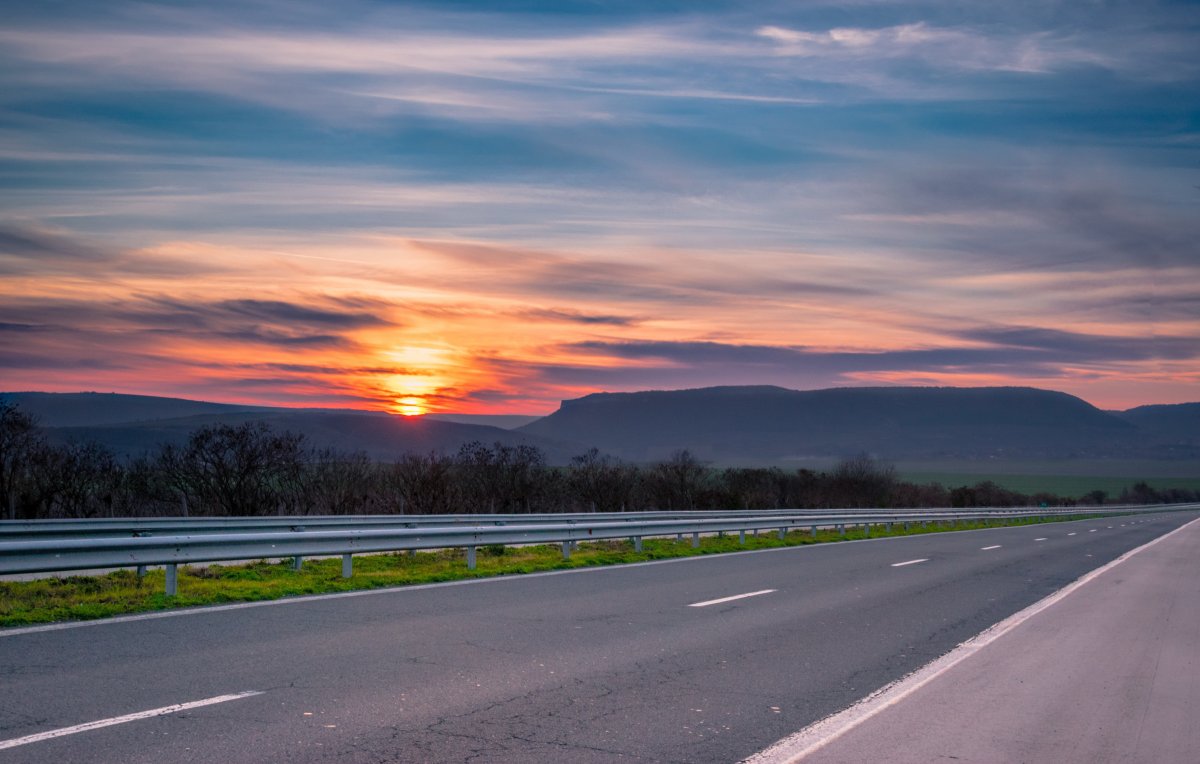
(120, 592)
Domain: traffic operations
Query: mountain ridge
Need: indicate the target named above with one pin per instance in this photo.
(760, 424)
(771, 424)
(134, 425)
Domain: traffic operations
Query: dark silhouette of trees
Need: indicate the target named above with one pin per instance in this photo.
(20, 443)
(242, 470)
(503, 479)
(337, 483)
(677, 482)
(755, 488)
(601, 483)
(862, 481)
(423, 484)
(77, 480)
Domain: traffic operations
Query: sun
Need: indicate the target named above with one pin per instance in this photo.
(411, 405)
(422, 372)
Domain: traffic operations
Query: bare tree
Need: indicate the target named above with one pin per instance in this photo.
(677, 482)
(242, 470)
(423, 485)
(20, 442)
(503, 478)
(79, 480)
(602, 483)
(862, 481)
(337, 483)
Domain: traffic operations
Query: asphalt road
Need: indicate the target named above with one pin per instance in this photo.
(610, 664)
(1111, 673)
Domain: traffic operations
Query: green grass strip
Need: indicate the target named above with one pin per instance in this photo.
(50, 600)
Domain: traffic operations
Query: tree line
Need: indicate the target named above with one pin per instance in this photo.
(249, 469)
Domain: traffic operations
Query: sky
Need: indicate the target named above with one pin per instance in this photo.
(490, 207)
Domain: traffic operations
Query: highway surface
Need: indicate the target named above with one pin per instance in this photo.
(699, 660)
(1108, 674)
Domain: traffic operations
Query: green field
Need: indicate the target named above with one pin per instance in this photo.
(1061, 485)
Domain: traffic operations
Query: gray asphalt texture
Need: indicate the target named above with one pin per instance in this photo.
(601, 665)
(1109, 674)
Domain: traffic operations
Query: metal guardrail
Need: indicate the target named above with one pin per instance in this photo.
(78, 553)
(13, 530)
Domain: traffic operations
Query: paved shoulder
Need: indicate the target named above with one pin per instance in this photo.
(1111, 673)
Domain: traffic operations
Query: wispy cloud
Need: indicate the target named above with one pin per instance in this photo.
(941, 46)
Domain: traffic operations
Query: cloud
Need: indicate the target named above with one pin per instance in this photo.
(1072, 347)
(41, 246)
(33, 251)
(1013, 350)
(335, 313)
(663, 279)
(576, 317)
(943, 47)
(318, 322)
(1031, 209)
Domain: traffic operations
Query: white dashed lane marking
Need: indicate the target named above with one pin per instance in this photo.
(985, 548)
(706, 603)
(50, 734)
(909, 562)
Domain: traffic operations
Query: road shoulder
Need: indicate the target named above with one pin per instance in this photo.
(1108, 673)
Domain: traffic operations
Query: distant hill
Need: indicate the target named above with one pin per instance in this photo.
(1176, 424)
(503, 421)
(133, 425)
(725, 425)
(86, 409)
(772, 424)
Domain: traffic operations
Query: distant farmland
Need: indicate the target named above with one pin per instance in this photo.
(1062, 485)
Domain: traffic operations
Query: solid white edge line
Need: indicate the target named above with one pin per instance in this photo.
(40, 736)
(706, 603)
(819, 734)
(909, 562)
(993, 546)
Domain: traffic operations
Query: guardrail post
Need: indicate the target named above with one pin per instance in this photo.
(695, 540)
(470, 558)
(679, 537)
(841, 528)
(172, 580)
(566, 550)
(813, 531)
(347, 566)
(637, 543)
(742, 538)
(888, 526)
(782, 534)
(297, 562)
(866, 530)
(141, 571)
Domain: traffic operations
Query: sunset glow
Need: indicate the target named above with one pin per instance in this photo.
(234, 206)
